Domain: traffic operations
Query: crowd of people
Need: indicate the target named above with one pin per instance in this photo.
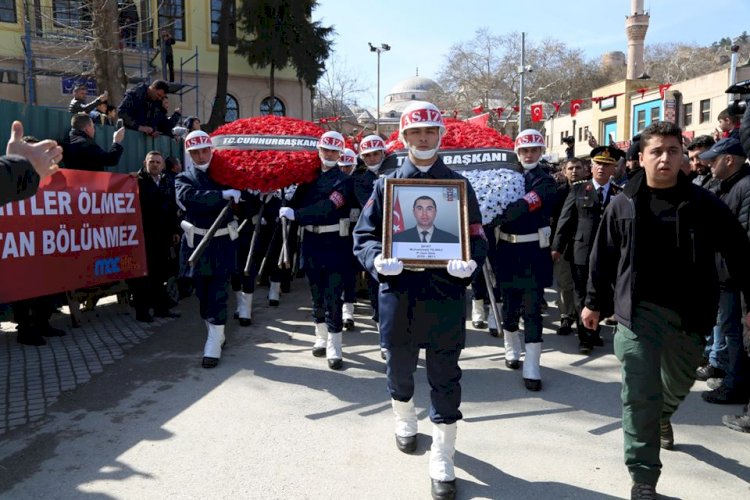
(653, 240)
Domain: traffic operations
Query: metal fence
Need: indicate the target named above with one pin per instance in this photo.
(49, 123)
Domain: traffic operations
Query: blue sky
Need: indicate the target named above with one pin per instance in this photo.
(421, 32)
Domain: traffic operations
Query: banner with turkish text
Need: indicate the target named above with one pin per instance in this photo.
(81, 229)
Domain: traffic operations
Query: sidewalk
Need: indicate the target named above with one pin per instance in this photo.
(114, 410)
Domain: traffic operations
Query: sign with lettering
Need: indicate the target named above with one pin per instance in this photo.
(81, 229)
(461, 159)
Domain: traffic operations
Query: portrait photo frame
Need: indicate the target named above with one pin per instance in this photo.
(425, 222)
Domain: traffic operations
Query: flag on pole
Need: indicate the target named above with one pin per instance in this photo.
(477, 109)
(663, 88)
(575, 105)
(398, 218)
(537, 112)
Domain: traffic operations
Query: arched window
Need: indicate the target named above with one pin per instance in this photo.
(233, 109)
(277, 109)
(392, 114)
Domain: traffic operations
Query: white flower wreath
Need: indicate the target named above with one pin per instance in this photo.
(495, 190)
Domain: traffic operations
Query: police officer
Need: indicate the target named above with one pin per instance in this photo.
(372, 153)
(522, 260)
(322, 209)
(577, 226)
(422, 308)
(202, 199)
(347, 163)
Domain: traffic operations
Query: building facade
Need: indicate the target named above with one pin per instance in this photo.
(41, 59)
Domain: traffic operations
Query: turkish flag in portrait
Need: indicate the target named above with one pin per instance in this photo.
(537, 112)
(575, 105)
(398, 218)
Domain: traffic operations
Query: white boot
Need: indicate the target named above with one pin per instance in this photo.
(478, 316)
(442, 451)
(274, 292)
(321, 340)
(531, 376)
(238, 300)
(347, 315)
(512, 348)
(406, 425)
(245, 308)
(333, 351)
(214, 343)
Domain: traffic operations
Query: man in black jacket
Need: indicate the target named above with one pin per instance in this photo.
(653, 258)
(80, 152)
(141, 106)
(732, 184)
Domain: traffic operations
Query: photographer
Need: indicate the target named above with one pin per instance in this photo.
(570, 147)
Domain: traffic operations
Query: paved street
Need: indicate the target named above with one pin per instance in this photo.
(116, 410)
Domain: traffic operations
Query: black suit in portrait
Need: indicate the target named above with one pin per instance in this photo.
(412, 235)
(577, 227)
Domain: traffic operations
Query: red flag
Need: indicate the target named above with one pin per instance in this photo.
(537, 112)
(597, 99)
(480, 120)
(642, 91)
(398, 218)
(663, 88)
(516, 109)
(556, 105)
(478, 109)
(499, 111)
(455, 113)
(575, 105)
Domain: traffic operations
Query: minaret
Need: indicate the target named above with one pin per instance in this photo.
(636, 25)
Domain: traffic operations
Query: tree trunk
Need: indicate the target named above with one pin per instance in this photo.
(108, 59)
(219, 108)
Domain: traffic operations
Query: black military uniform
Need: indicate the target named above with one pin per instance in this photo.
(322, 209)
(364, 183)
(244, 285)
(577, 227)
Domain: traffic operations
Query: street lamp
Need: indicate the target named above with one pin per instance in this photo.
(384, 47)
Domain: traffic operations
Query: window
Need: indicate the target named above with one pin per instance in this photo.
(580, 134)
(71, 14)
(233, 109)
(278, 107)
(641, 120)
(8, 11)
(705, 110)
(562, 136)
(687, 113)
(586, 133)
(654, 114)
(172, 17)
(216, 15)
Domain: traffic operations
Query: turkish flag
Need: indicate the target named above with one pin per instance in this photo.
(398, 218)
(516, 109)
(499, 111)
(556, 105)
(575, 105)
(663, 88)
(480, 120)
(537, 112)
(478, 109)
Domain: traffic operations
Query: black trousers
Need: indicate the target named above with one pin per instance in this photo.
(580, 278)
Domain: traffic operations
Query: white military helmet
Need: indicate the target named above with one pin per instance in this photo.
(197, 139)
(420, 114)
(332, 140)
(371, 143)
(348, 158)
(529, 138)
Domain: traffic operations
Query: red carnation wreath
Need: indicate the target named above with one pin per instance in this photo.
(266, 169)
(462, 135)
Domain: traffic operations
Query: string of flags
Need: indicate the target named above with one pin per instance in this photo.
(537, 109)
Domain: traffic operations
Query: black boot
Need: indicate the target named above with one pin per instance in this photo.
(443, 490)
(27, 336)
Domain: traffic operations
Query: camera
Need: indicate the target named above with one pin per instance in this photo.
(569, 140)
(741, 92)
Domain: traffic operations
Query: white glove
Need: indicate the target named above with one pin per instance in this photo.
(286, 212)
(461, 268)
(231, 194)
(388, 267)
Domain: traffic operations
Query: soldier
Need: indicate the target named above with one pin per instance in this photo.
(577, 226)
(422, 308)
(244, 285)
(372, 153)
(203, 200)
(347, 162)
(522, 260)
(322, 209)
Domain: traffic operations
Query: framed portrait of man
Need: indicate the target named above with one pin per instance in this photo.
(426, 221)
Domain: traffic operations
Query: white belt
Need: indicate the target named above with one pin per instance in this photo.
(332, 228)
(516, 238)
(191, 230)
